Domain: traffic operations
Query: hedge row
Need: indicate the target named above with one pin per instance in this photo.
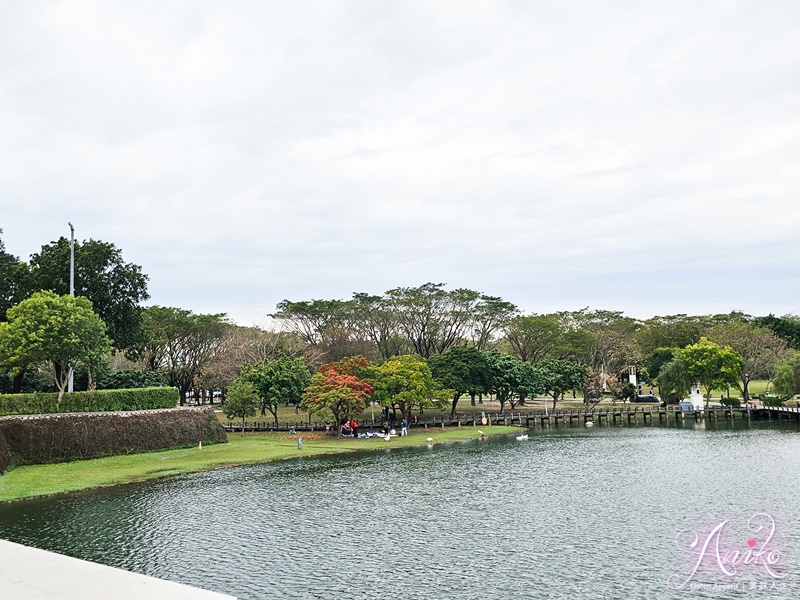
(63, 438)
(94, 401)
(5, 455)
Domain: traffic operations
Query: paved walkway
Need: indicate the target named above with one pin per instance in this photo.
(32, 574)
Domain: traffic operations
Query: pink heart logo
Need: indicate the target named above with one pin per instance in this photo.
(751, 543)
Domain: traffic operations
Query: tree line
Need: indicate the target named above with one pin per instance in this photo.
(470, 342)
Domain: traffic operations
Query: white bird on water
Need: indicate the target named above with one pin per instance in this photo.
(522, 437)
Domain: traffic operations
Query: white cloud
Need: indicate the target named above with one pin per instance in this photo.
(638, 156)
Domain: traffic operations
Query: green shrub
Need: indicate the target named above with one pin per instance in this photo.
(734, 402)
(129, 379)
(771, 400)
(95, 401)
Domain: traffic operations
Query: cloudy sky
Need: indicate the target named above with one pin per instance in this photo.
(628, 155)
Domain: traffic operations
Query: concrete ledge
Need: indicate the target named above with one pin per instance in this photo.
(32, 574)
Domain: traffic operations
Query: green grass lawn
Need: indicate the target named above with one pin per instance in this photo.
(39, 480)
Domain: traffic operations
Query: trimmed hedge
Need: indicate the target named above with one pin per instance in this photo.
(62, 438)
(5, 455)
(94, 401)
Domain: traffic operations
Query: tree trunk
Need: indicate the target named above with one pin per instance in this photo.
(274, 410)
(184, 392)
(472, 398)
(17, 383)
(455, 403)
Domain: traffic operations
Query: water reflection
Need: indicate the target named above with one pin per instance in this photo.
(572, 512)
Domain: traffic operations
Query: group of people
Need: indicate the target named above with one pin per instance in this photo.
(349, 427)
(346, 426)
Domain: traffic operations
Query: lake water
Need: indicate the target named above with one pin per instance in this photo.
(606, 512)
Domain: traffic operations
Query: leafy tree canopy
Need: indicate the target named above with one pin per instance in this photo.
(657, 359)
(61, 331)
(562, 376)
(787, 377)
(242, 401)
(673, 380)
(14, 280)
(180, 343)
(461, 369)
(338, 393)
(712, 365)
(114, 287)
(786, 327)
(404, 381)
(279, 381)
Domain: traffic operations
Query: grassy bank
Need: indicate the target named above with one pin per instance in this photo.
(40, 480)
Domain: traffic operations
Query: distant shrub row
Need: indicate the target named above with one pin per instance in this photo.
(62, 438)
(94, 401)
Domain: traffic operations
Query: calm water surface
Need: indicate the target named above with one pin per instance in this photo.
(572, 512)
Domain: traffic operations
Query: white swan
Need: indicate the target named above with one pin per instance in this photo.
(522, 437)
(590, 423)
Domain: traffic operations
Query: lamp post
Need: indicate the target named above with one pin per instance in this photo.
(746, 390)
(71, 384)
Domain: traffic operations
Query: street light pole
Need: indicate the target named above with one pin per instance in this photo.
(71, 384)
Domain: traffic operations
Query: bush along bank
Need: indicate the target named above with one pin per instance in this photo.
(94, 401)
(62, 438)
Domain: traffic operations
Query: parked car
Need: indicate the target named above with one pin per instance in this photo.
(646, 398)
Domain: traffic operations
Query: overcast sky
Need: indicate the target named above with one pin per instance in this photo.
(629, 155)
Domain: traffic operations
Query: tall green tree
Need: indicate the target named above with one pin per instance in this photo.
(315, 320)
(14, 280)
(712, 365)
(279, 381)
(534, 338)
(673, 379)
(786, 327)
(114, 287)
(242, 401)
(48, 329)
(403, 382)
(760, 348)
(490, 316)
(787, 377)
(432, 318)
(378, 322)
(461, 369)
(672, 331)
(180, 343)
(512, 378)
(562, 376)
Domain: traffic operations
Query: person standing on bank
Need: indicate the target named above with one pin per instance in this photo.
(403, 427)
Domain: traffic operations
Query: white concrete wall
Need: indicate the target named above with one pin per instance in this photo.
(32, 574)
